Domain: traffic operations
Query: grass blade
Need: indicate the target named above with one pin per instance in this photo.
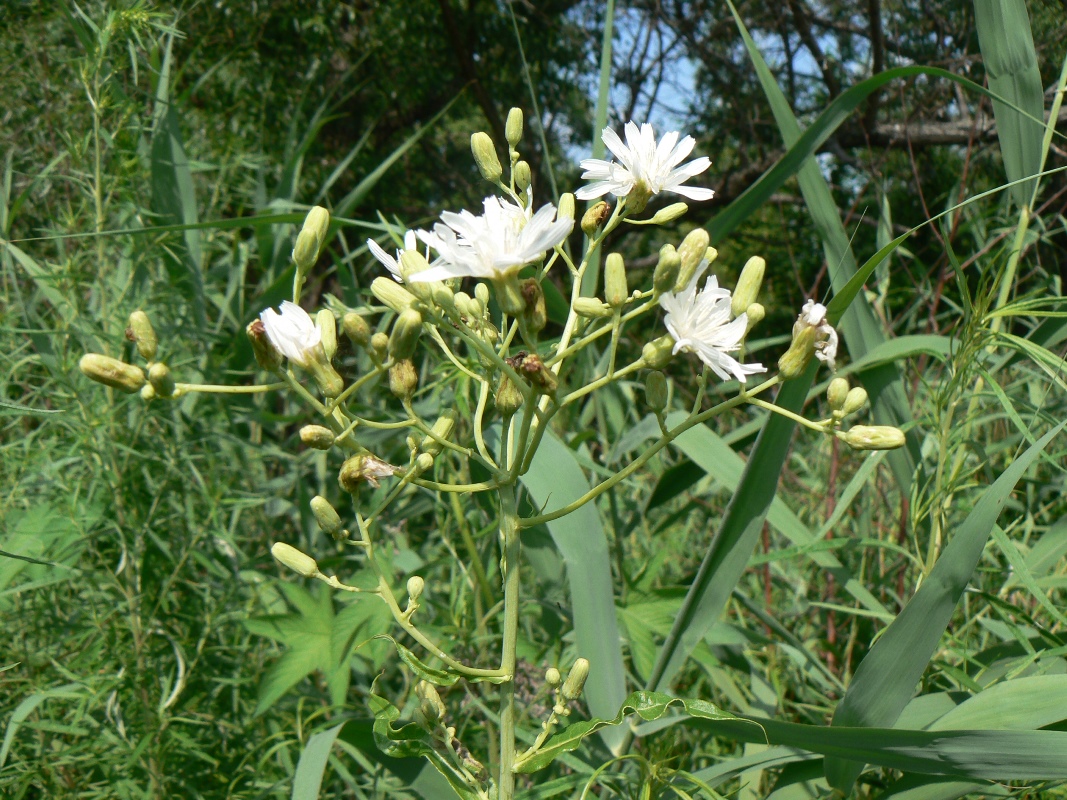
(309, 770)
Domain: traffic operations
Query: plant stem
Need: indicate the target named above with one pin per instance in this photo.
(509, 542)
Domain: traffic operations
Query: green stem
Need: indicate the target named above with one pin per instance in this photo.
(509, 541)
(214, 388)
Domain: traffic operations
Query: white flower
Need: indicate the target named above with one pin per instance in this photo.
(493, 245)
(699, 322)
(643, 161)
(390, 263)
(813, 315)
(292, 332)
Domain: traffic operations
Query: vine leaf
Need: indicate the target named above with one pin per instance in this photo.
(438, 677)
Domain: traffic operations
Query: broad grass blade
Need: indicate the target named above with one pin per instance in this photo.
(312, 764)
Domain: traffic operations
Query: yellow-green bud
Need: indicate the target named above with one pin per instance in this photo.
(796, 359)
(433, 710)
(379, 347)
(356, 329)
(658, 353)
(309, 240)
(327, 325)
(552, 677)
(509, 294)
(666, 272)
(508, 397)
(412, 262)
(148, 393)
(854, 401)
(406, 332)
(692, 251)
(141, 333)
(565, 210)
(748, 285)
(463, 300)
(267, 355)
(485, 157)
(329, 381)
(874, 437)
(615, 289)
(415, 587)
(656, 390)
(513, 127)
(363, 468)
(572, 688)
(112, 372)
(403, 379)
(755, 314)
(836, 393)
(668, 214)
(442, 296)
(392, 294)
(289, 556)
(596, 215)
(481, 294)
(161, 379)
(592, 308)
(317, 436)
(423, 462)
(442, 432)
(638, 198)
(326, 515)
(523, 176)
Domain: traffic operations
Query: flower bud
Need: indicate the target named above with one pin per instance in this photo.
(615, 289)
(658, 353)
(112, 372)
(668, 214)
(485, 157)
(267, 355)
(364, 468)
(326, 515)
(430, 705)
(638, 198)
(565, 210)
(552, 677)
(592, 308)
(423, 462)
(161, 379)
(379, 347)
(513, 127)
(415, 587)
(148, 393)
(508, 397)
(541, 377)
(522, 175)
(442, 296)
(442, 432)
(356, 329)
(656, 390)
(392, 294)
(509, 294)
(412, 262)
(289, 556)
(854, 400)
(141, 333)
(748, 285)
(406, 332)
(463, 300)
(329, 381)
(327, 325)
(836, 393)
(403, 379)
(595, 216)
(535, 312)
(874, 437)
(692, 251)
(317, 436)
(572, 688)
(309, 240)
(796, 359)
(481, 294)
(755, 313)
(666, 272)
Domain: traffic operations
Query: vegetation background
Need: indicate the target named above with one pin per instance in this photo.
(150, 646)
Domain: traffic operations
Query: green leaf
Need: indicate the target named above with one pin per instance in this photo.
(438, 677)
(26, 707)
(885, 680)
(1020, 704)
(312, 764)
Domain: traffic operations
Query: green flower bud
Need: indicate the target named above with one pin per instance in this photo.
(442, 296)
(535, 312)
(656, 390)
(392, 294)
(326, 515)
(523, 176)
(327, 325)
(638, 198)
(836, 393)
(592, 308)
(112, 372)
(481, 294)
(317, 436)
(666, 272)
(513, 127)
(552, 677)
(748, 285)
(442, 431)
(310, 239)
(595, 216)
(755, 314)
(356, 329)
(485, 157)
(462, 301)
(508, 397)
(565, 210)
(854, 401)
(430, 706)
(415, 587)
(406, 332)
(658, 353)
(668, 214)
(423, 462)
(572, 688)
(161, 379)
(329, 382)
(615, 289)
(289, 556)
(874, 437)
(379, 347)
(509, 294)
(403, 379)
(796, 359)
(267, 355)
(691, 252)
(148, 393)
(412, 262)
(141, 333)
(361, 469)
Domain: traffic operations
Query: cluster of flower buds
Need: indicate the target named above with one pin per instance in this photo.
(154, 381)
(845, 402)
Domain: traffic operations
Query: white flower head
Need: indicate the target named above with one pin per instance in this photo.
(390, 263)
(494, 245)
(699, 322)
(292, 332)
(644, 161)
(813, 315)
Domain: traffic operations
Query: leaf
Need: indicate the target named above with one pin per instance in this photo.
(1020, 704)
(26, 707)
(438, 677)
(885, 680)
(312, 764)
